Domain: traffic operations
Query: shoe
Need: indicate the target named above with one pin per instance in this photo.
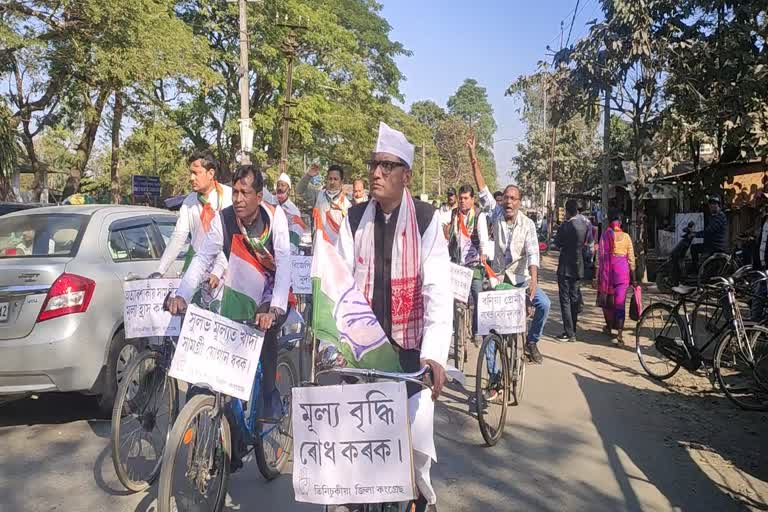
(563, 338)
(607, 331)
(532, 351)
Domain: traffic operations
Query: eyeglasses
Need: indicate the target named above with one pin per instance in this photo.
(386, 166)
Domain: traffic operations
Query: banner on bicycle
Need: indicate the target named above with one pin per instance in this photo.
(461, 281)
(503, 311)
(217, 351)
(352, 444)
(143, 313)
(301, 275)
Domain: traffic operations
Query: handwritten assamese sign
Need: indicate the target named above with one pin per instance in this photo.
(301, 274)
(502, 311)
(217, 351)
(143, 312)
(461, 281)
(352, 444)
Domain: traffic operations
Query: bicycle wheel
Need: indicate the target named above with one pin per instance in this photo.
(719, 264)
(742, 376)
(491, 388)
(273, 448)
(657, 320)
(201, 443)
(708, 316)
(517, 361)
(145, 408)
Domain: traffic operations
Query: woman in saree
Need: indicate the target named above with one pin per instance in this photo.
(614, 274)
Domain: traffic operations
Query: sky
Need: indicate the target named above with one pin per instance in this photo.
(492, 41)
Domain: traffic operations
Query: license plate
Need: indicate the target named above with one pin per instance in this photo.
(4, 307)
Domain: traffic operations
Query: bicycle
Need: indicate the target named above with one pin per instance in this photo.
(739, 364)
(721, 264)
(462, 334)
(203, 429)
(366, 375)
(496, 389)
(138, 410)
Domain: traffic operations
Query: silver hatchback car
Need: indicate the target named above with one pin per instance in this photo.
(61, 295)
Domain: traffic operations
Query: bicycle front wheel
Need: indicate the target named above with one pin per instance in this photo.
(742, 369)
(491, 388)
(658, 320)
(517, 362)
(717, 265)
(195, 470)
(145, 408)
(273, 447)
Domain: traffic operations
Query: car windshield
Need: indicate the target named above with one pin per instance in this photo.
(41, 235)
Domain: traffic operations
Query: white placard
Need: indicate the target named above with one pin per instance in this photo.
(503, 311)
(301, 274)
(352, 444)
(143, 312)
(217, 351)
(461, 281)
(681, 222)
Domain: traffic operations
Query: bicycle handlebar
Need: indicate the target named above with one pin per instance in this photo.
(364, 373)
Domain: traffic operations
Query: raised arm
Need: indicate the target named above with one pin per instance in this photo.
(303, 188)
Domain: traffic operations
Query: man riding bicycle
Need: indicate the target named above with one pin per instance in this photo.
(253, 236)
(468, 242)
(395, 248)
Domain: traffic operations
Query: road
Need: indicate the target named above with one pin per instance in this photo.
(593, 433)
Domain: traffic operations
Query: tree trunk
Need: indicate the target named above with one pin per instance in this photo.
(117, 120)
(91, 121)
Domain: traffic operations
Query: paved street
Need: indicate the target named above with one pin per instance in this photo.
(593, 433)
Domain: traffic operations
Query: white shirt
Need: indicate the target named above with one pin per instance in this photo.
(213, 245)
(517, 248)
(189, 221)
(486, 248)
(438, 319)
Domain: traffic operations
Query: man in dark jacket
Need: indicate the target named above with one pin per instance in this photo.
(715, 233)
(570, 239)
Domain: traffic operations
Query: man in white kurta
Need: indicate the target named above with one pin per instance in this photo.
(408, 289)
(296, 225)
(330, 203)
(196, 214)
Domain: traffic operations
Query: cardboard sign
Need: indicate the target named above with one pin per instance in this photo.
(217, 351)
(143, 312)
(461, 281)
(352, 444)
(301, 275)
(503, 311)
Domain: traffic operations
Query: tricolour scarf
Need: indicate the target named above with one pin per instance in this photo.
(207, 213)
(328, 203)
(462, 228)
(407, 299)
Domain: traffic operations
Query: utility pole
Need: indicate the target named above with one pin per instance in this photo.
(606, 151)
(550, 183)
(246, 132)
(289, 50)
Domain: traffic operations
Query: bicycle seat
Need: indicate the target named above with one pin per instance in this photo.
(683, 289)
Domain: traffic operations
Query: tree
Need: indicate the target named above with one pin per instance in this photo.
(470, 103)
(9, 151)
(428, 113)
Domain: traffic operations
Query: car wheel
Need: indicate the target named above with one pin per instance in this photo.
(121, 354)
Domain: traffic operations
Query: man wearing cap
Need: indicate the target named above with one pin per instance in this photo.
(446, 211)
(715, 233)
(395, 248)
(359, 195)
(331, 203)
(296, 224)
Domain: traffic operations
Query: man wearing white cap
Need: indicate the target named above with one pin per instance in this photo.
(296, 224)
(395, 248)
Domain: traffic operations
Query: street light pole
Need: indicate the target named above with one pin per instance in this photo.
(245, 113)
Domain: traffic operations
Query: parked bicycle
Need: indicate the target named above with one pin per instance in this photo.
(739, 361)
(197, 460)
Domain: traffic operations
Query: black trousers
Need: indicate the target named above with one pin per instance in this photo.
(269, 351)
(568, 289)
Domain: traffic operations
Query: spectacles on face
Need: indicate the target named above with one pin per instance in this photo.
(386, 166)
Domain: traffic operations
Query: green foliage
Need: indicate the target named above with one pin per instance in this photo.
(470, 103)
(9, 150)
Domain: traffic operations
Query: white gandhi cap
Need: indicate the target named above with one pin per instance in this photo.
(394, 142)
(285, 179)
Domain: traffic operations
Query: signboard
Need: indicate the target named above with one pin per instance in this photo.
(503, 311)
(461, 281)
(217, 351)
(681, 222)
(143, 312)
(301, 275)
(352, 444)
(146, 185)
